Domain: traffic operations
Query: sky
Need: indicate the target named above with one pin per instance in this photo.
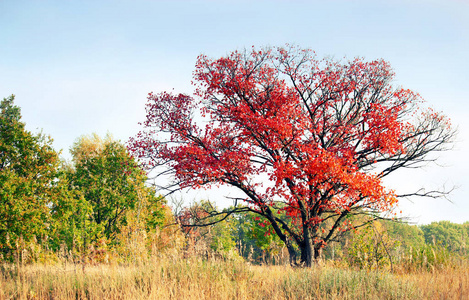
(82, 67)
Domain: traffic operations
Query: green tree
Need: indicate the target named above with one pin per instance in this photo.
(29, 169)
(409, 236)
(256, 240)
(223, 236)
(453, 236)
(113, 186)
(72, 223)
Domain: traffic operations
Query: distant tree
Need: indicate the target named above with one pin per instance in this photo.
(447, 234)
(256, 240)
(29, 183)
(112, 185)
(223, 236)
(309, 138)
(409, 236)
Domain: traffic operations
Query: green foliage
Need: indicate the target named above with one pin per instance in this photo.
(107, 189)
(409, 236)
(255, 239)
(453, 236)
(29, 177)
(223, 236)
(72, 223)
(107, 182)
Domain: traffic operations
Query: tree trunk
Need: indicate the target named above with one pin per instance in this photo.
(306, 255)
(291, 252)
(317, 254)
(310, 255)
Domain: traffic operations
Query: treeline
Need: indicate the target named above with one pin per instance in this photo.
(97, 208)
(381, 244)
(93, 206)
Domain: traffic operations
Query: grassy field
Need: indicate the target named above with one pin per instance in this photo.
(198, 279)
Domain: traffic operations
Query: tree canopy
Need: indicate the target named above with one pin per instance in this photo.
(29, 172)
(112, 185)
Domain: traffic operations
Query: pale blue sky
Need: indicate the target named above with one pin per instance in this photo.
(79, 67)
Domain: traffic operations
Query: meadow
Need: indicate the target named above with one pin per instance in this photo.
(196, 278)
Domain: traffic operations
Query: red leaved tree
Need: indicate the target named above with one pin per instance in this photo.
(307, 141)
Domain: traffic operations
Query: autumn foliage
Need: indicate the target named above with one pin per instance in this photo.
(304, 138)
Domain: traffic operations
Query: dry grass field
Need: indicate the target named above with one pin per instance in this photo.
(199, 279)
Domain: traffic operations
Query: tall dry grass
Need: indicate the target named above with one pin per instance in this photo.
(175, 278)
